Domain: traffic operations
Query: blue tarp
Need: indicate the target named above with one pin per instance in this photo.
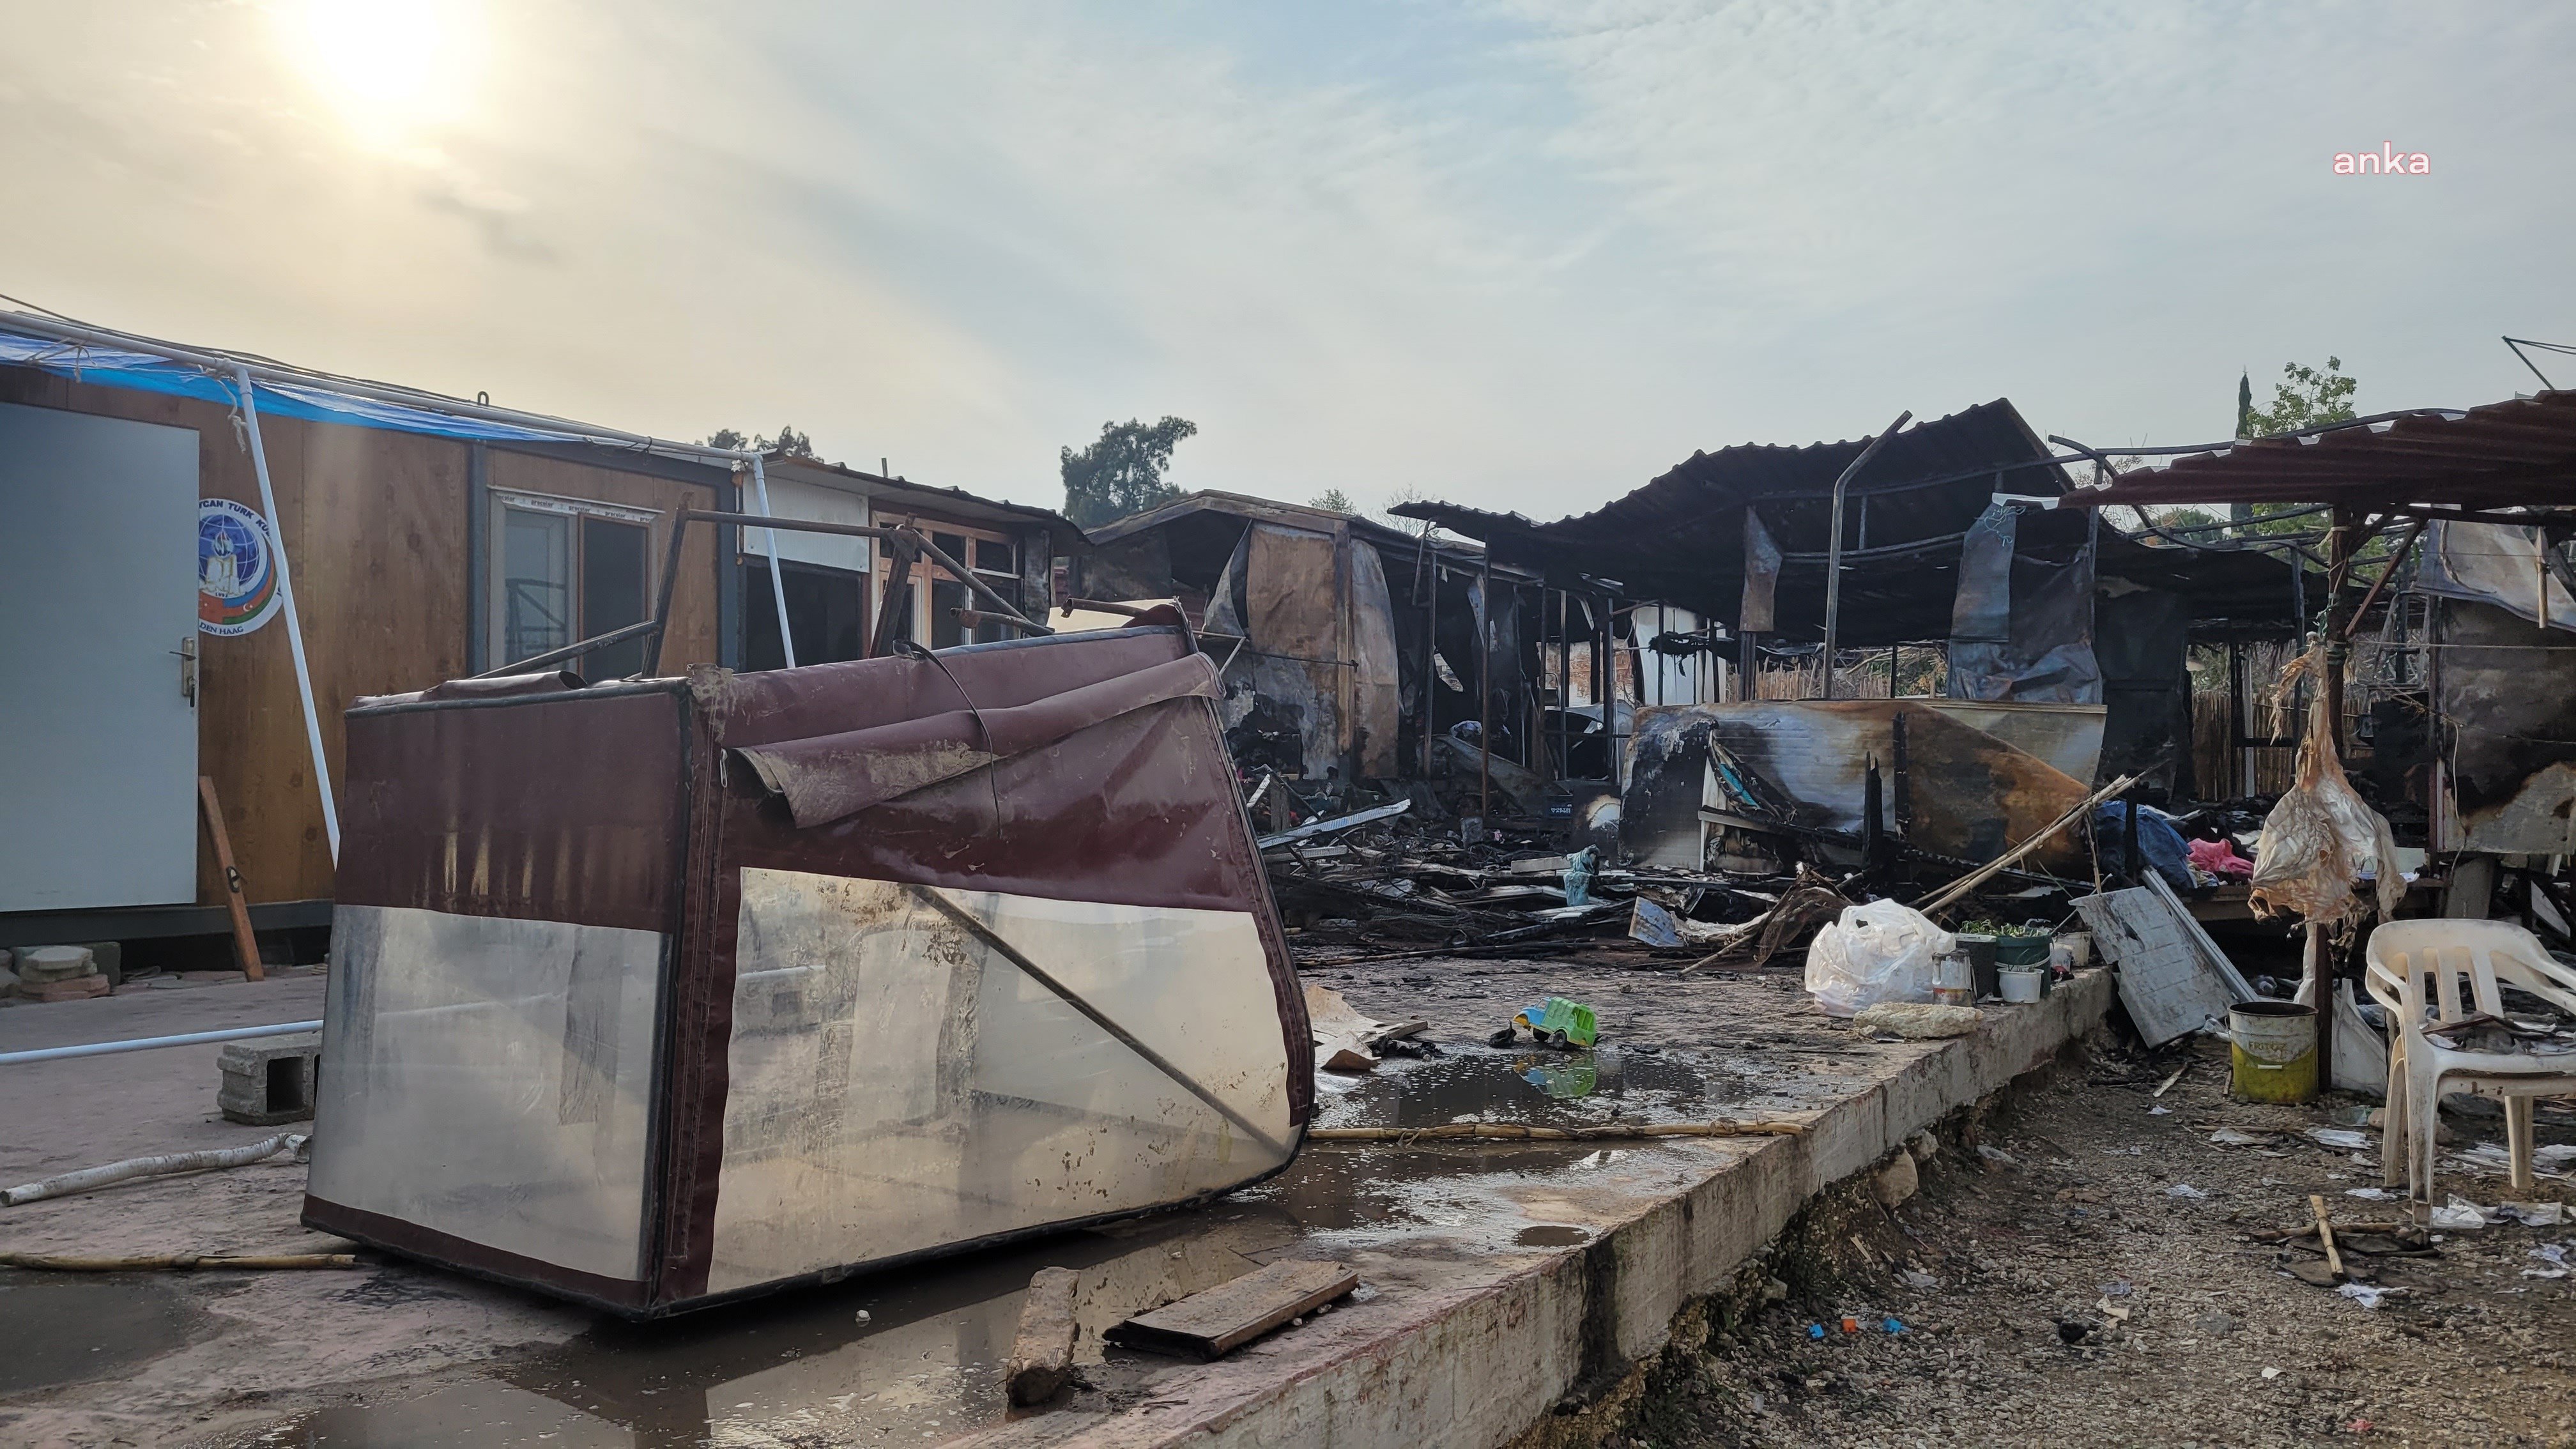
(2160, 845)
(144, 372)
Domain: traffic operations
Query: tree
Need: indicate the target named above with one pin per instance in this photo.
(788, 444)
(2308, 399)
(1333, 500)
(1122, 473)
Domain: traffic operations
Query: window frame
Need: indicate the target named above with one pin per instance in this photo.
(929, 571)
(575, 511)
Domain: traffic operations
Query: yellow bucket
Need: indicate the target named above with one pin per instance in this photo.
(2272, 1051)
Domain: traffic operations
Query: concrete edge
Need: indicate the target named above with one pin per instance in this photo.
(1484, 1365)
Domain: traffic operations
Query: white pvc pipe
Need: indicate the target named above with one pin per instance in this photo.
(294, 625)
(769, 538)
(151, 1043)
(90, 1179)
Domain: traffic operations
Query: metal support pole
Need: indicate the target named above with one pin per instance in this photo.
(1430, 665)
(1485, 688)
(1834, 550)
(769, 544)
(294, 623)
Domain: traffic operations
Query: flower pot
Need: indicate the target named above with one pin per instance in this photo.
(2021, 950)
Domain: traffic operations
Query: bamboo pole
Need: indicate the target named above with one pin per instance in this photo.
(1990, 869)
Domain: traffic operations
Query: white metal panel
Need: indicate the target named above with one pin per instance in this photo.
(894, 1084)
(492, 1080)
(789, 498)
(98, 594)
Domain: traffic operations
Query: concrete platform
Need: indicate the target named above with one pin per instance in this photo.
(1497, 1280)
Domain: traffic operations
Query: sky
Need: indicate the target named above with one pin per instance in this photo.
(1521, 256)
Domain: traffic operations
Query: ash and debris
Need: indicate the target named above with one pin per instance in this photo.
(2053, 1282)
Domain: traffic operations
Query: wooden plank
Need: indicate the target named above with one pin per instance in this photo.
(1212, 1324)
(245, 940)
(1041, 1361)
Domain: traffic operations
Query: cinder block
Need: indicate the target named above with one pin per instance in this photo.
(270, 1079)
(40, 964)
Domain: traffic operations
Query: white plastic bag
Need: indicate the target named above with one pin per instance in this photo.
(1877, 951)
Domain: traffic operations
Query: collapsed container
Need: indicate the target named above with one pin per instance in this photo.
(655, 993)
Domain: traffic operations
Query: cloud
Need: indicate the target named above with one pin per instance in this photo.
(1524, 255)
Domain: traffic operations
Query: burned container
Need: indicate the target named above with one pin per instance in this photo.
(655, 993)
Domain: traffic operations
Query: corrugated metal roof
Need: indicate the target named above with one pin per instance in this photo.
(1681, 537)
(2506, 454)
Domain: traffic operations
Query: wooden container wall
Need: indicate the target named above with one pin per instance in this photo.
(375, 527)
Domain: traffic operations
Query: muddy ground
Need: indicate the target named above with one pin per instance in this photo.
(2074, 1294)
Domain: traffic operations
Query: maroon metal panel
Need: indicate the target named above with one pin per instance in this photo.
(1139, 810)
(553, 807)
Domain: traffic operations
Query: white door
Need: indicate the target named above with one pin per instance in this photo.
(98, 596)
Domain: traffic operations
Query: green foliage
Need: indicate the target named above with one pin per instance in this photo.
(1122, 473)
(2307, 399)
(1333, 500)
(789, 442)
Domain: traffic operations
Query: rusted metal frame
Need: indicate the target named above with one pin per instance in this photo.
(2394, 559)
(964, 575)
(896, 614)
(660, 622)
(965, 920)
(1834, 553)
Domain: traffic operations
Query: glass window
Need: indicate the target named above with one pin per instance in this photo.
(992, 556)
(564, 571)
(612, 593)
(947, 596)
(951, 544)
(536, 583)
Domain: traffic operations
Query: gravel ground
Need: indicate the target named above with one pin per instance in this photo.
(2072, 1292)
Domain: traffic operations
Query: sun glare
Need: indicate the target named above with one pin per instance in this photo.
(389, 67)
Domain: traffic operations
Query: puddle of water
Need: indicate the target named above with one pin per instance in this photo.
(802, 1367)
(59, 1332)
(1548, 1088)
(1551, 1235)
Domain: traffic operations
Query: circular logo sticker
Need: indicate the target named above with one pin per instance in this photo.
(236, 568)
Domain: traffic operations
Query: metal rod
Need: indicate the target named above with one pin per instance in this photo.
(294, 624)
(592, 645)
(769, 541)
(2394, 559)
(1834, 553)
(967, 922)
(155, 1043)
(1431, 665)
(1485, 691)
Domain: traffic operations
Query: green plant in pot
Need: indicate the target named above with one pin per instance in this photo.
(1979, 939)
(2022, 945)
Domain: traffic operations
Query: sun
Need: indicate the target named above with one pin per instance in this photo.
(390, 68)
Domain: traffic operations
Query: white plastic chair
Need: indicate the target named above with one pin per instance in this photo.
(2402, 955)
